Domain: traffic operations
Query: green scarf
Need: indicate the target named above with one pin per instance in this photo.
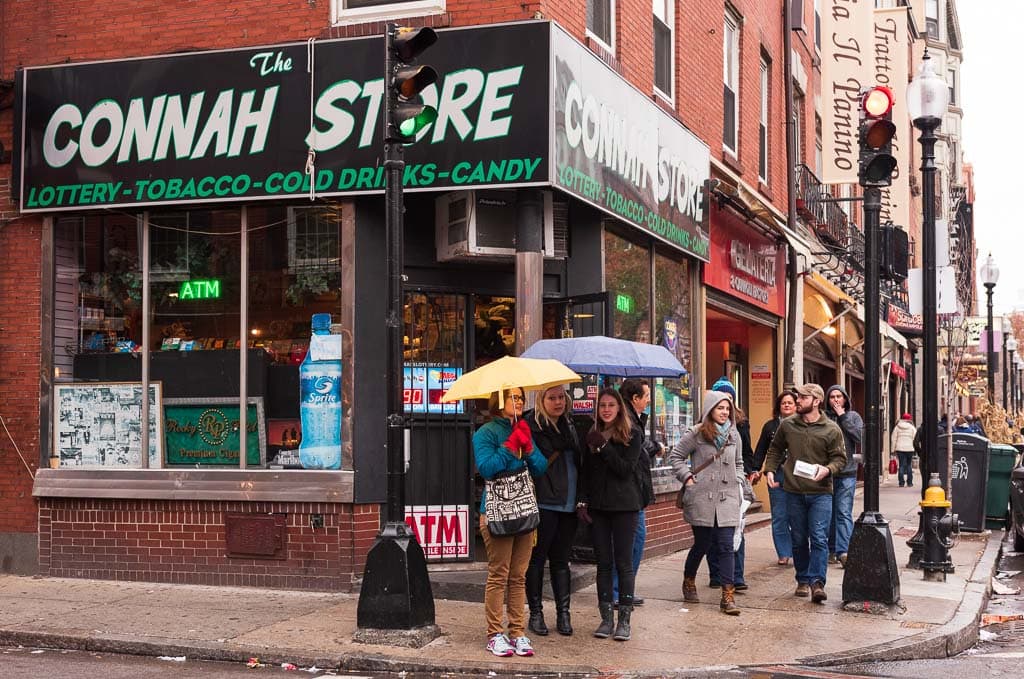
(723, 434)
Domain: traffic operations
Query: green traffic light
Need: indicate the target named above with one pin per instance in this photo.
(410, 126)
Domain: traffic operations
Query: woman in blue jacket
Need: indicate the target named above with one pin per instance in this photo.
(500, 446)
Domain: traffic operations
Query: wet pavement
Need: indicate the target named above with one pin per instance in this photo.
(308, 629)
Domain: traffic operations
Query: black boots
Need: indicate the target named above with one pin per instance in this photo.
(604, 630)
(561, 586)
(535, 599)
(623, 629)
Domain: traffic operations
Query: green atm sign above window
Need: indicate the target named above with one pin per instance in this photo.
(624, 303)
(202, 289)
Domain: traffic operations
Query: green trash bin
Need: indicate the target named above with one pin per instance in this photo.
(1002, 458)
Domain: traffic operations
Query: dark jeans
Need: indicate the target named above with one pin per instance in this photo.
(718, 538)
(613, 534)
(554, 539)
(906, 467)
(739, 557)
(638, 551)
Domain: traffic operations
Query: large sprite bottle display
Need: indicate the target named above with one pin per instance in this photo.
(320, 398)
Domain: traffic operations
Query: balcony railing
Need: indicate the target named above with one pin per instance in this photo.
(826, 219)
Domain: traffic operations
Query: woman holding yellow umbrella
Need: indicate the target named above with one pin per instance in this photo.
(504, 445)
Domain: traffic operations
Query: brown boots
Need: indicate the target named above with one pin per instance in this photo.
(728, 605)
(690, 591)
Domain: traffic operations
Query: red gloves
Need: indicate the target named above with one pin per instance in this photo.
(520, 441)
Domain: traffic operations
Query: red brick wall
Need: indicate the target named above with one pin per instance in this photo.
(666, 530)
(19, 363)
(183, 541)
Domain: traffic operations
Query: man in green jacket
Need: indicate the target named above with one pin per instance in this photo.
(817, 452)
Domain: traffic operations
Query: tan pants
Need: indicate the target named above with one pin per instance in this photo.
(507, 561)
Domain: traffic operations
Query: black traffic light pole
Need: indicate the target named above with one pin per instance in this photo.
(871, 574)
(395, 593)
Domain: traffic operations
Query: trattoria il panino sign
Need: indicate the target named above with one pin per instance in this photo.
(239, 125)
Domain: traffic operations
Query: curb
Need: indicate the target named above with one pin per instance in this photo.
(952, 638)
(350, 662)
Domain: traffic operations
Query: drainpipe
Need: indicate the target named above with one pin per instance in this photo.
(793, 323)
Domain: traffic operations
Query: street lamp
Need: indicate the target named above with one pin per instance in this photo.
(1009, 351)
(927, 98)
(1015, 363)
(989, 278)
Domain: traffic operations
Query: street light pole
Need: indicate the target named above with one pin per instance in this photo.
(989, 278)
(1006, 372)
(927, 97)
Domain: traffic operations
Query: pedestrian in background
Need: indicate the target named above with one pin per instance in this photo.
(611, 498)
(495, 450)
(637, 396)
(711, 498)
(785, 406)
(557, 440)
(902, 444)
(724, 386)
(844, 485)
(815, 440)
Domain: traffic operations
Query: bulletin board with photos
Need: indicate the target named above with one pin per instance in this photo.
(98, 425)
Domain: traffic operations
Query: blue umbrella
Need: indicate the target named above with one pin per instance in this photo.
(609, 356)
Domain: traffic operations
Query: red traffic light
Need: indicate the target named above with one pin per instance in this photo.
(877, 101)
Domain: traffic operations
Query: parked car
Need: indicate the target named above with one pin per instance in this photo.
(1017, 507)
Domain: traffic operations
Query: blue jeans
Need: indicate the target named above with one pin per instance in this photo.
(638, 551)
(841, 529)
(809, 517)
(780, 523)
(906, 467)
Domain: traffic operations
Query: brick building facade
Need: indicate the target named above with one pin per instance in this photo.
(164, 537)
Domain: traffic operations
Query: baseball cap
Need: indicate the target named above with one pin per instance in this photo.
(811, 389)
(907, 416)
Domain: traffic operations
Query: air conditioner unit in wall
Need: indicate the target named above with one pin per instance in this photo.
(482, 223)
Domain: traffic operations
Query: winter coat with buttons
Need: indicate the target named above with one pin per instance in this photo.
(717, 490)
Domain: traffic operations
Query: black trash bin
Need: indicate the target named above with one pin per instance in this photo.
(970, 477)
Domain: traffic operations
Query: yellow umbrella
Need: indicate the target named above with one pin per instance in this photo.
(529, 374)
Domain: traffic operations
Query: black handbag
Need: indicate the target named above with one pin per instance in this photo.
(511, 505)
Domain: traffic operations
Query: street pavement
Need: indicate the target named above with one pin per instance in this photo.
(934, 620)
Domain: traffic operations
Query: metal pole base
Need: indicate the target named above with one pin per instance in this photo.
(916, 544)
(396, 590)
(871, 573)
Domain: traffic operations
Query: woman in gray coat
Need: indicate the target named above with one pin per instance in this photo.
(711, 501)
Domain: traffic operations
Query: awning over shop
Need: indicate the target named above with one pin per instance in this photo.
(828, 288)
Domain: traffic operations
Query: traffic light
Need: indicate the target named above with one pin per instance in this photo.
(895, 253)
(405, 113)
(876, 132)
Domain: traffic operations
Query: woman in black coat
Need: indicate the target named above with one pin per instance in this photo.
(555, 436)
(610, 495)
(785, 405)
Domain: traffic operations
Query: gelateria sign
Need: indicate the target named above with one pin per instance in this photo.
(206, 432)
(287, 121)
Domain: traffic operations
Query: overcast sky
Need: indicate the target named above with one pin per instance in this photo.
(993, 103)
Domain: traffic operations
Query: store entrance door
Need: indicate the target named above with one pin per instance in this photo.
(439, 473)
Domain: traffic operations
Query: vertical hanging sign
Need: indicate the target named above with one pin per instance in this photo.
(847, 53)
(889, 66)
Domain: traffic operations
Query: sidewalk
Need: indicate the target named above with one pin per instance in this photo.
(234, 624)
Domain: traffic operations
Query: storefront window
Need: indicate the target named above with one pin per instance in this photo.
(627, 271)
(197, 286)
(672, 401)
(434, 351)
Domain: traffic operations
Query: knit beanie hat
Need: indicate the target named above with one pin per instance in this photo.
(724, 386)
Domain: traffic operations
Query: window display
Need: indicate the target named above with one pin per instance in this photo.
(627, 274)
(197, 286)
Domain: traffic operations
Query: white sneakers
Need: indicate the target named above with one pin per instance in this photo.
(522, 645)
(501, 646)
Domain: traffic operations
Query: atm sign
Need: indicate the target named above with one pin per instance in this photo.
(441, 530)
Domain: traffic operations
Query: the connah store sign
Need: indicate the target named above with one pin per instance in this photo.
(519, 104)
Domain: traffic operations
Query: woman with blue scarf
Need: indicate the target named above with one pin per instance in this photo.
(711, 501)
